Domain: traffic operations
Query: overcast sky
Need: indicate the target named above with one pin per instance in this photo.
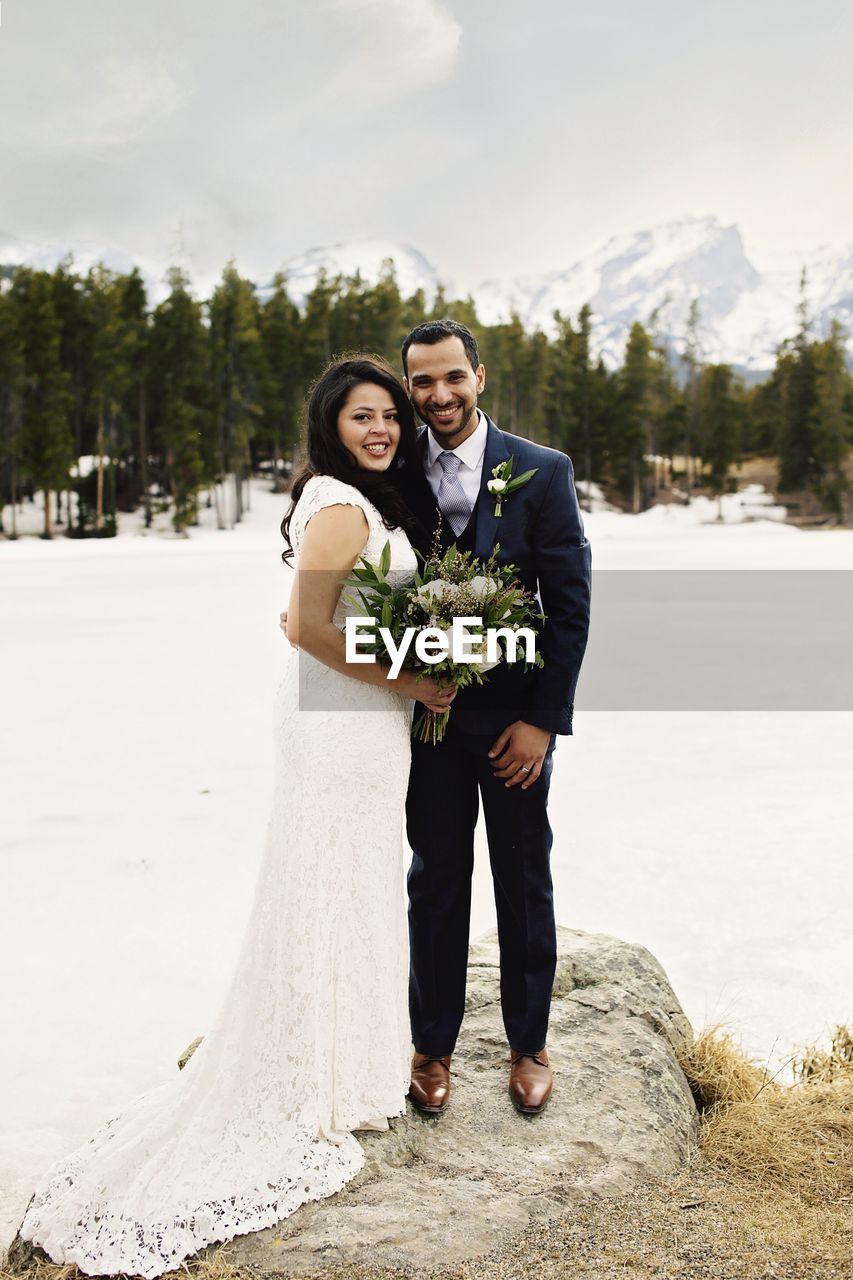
(500, 137)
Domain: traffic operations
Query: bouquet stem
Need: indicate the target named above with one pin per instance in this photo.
(431, 726)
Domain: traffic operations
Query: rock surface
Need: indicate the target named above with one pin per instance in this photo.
(437, 1191)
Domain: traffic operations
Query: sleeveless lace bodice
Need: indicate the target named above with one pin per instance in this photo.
(326, 491)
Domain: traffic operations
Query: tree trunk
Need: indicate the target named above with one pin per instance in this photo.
(215, 491)
(48, 531)
(276, 462)
(14, 488)
(143, 456)
(99, 502)
(587, 458)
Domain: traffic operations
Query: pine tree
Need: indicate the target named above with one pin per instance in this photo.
(47, 445)
(588, 395)
(692, 360)
(238, 375)
(284, 374)
(76, 338)
(111, 378)
(179, 379)
(413, 312)
(12, 376)
(317, 326)
(832, 420)
(797, 467)
(504, 357)
(634, 414)
(587, 403)
(383, 328)
(562, 427)
(719, 414)
(663, 397)
(762, 413)
(137, 335)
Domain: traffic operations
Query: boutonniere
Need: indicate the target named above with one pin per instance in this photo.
(505, 483)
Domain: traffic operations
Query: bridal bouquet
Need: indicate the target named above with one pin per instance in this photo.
(455, 622)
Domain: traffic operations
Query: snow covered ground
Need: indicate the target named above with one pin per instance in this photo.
(136, 762)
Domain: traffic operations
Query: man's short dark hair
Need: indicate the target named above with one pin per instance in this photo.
(432, 331)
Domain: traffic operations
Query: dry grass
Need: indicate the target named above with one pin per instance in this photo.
(797, 1137)
(214, 1267)
(769, 1194)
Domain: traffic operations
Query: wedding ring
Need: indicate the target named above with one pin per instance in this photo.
(523, 769)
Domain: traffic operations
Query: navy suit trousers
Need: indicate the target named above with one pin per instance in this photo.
(446, 783)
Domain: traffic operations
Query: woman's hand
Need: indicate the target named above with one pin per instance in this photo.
(435, 696)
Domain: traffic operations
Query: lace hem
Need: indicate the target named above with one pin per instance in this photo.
(109, 1244)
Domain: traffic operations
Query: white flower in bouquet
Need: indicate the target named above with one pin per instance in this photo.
(430, 592)
(481, 587)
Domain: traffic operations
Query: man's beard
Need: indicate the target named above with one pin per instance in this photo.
(466, 418)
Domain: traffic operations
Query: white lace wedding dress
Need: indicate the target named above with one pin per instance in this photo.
(312, 1040)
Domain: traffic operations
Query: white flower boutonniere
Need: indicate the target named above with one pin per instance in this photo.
(504, 483)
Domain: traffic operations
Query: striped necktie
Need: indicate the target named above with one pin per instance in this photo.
(452, 501)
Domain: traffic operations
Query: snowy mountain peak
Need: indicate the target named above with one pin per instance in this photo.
(368, 258)
(633, 276)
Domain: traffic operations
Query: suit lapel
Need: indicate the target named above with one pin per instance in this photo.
(487, 521)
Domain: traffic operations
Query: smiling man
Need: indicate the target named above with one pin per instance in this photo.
(500, 739)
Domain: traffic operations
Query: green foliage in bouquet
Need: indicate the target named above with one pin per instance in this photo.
(454, 585)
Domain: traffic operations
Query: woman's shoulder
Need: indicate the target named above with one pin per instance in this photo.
(322, 491)
(335, 490)
(322, 483)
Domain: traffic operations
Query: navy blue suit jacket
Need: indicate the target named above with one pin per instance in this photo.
(541, 532)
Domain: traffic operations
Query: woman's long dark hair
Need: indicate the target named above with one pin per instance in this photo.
(327, 455)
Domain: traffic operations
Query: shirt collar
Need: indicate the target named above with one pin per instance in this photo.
(470, 452)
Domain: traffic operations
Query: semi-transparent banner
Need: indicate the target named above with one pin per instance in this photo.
(719, 640)
(688, 640)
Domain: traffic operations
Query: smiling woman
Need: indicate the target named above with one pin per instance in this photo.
(312, 1041)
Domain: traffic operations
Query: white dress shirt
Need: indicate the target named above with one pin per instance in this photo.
(470, 454)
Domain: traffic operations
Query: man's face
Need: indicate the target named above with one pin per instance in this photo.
(443, 389)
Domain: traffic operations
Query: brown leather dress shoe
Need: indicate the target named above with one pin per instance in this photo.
(430, 1087)
(530, 1081)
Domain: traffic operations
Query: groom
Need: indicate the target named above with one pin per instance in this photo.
(500, 739)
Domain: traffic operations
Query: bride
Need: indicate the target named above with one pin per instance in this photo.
(312, 1040)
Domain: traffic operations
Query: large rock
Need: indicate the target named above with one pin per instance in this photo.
(436, 1191)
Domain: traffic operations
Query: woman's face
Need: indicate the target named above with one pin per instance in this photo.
(369, 426)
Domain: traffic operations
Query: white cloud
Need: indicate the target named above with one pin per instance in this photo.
(93, 104)
(398, 43)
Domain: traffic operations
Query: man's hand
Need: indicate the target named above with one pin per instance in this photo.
(518, 754)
